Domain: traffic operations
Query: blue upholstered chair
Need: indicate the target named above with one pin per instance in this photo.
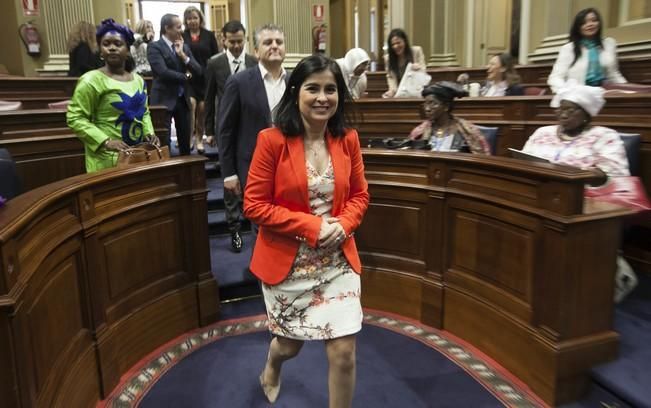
(9, 182)
(490, 134)
(632, 145)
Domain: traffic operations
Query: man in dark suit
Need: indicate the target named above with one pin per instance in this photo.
(245, 109)
(172, 65)
(219, 68)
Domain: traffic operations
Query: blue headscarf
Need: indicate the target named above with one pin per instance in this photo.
(110, 26)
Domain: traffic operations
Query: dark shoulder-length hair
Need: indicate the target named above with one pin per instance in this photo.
(575, 31)
(287, 114)
(393, 58)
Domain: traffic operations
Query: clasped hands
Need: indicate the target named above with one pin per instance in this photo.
(119, 145)
(331, 234)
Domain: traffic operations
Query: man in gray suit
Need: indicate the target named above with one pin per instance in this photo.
(219, 68)
(245, 108)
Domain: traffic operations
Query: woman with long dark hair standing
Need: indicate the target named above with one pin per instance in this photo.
(399, 55)
(588, 59)
(307, 191)
(203, 45)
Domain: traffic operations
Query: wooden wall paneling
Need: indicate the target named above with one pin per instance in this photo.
(586, 279)
(128, 340)
(207, 290)
(500, 281)
(53, 327)
(8, 375)
(102, 279)
(491, 255)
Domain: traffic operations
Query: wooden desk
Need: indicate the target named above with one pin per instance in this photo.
(96, 272)
(499, 252)
(516, 117)
(37, 92)
(634, 69)
(44, 148)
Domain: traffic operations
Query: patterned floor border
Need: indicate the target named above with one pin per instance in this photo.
(135, 384)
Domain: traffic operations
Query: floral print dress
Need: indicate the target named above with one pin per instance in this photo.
(320, 298)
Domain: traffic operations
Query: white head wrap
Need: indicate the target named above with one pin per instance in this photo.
(590, 98)
(353, 58)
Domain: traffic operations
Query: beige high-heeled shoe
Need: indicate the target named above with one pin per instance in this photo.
(270, 391)
(199, 144)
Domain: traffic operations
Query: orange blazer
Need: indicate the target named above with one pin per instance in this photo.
(276, 199)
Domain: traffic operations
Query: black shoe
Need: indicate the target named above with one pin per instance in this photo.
(236, 241)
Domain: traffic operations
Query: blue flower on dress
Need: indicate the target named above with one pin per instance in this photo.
(133, 109)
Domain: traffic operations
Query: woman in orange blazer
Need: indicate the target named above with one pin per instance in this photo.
(307, 192)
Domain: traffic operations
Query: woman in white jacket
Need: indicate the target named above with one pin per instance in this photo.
(353, 67)
(587, 58)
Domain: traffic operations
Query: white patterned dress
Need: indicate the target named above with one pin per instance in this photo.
(320, 298)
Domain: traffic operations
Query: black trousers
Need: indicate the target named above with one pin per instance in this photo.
(183, 125)
(233, 210)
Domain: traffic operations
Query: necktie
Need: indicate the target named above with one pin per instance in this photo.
(237, 66)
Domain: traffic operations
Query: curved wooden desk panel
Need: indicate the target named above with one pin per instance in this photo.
(502, 253)
(97, 271)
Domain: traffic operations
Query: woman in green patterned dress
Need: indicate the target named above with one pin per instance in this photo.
(108, 111)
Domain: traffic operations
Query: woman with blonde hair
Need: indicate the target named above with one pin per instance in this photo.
(143, 35)
(501, 77)
(203, 45)
(82, 49)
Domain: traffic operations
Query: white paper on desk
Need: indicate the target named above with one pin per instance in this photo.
(519, 154)
(412, 83)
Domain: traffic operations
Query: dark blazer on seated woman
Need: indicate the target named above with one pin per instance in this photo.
(276, 197)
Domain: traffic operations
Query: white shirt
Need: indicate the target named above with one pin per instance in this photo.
(562, 71)
(275, 87)
(495, 88)
(232, 64)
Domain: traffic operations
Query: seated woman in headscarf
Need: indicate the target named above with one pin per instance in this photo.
(353, 67)
(108, 111)
(444, 131)
(575, 141)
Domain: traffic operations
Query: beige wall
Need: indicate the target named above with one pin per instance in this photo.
(421, 26)
(547, 18)
(103, 9)
(338, 37)
(14, 54)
